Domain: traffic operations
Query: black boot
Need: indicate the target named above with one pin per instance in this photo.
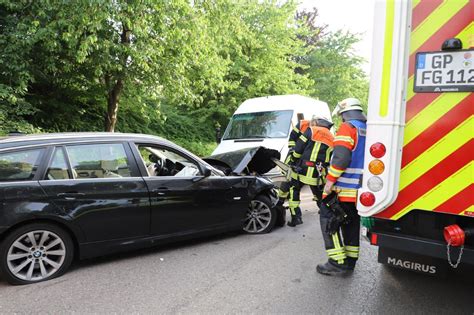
(295, 220)
(351, 263)
(330, 269)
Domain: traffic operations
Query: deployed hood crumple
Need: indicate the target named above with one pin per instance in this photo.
(247, 161)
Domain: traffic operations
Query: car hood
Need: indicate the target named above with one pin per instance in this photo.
(250, 161)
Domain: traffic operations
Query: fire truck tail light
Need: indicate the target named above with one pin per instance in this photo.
(377, 150)
(376, 167)
(373, 239)
(375, 183)
(367, 199)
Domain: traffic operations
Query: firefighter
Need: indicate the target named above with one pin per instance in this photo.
(296, 132)
(310, 160)
(344, 177)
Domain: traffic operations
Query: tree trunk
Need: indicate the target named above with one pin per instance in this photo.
(113, 95)
(112, 106)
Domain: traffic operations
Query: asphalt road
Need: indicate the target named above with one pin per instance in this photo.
(237, 273)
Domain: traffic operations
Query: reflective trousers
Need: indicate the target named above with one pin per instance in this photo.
(294, 196)
(342, 251)
(285, 186)
(283, 191)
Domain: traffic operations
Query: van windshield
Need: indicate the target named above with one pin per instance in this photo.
(274, 124)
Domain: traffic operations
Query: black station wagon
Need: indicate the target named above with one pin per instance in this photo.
(90, 194)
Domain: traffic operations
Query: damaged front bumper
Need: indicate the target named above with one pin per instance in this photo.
(256, 161)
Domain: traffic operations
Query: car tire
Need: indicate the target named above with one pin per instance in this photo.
(260, 217)
(34, 253)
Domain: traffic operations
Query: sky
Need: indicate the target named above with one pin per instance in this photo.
(353, 15)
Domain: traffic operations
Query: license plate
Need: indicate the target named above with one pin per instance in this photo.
(444, 71)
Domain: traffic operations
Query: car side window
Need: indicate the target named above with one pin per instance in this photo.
(161, 161)
(19, 165)
(58, 169)
(104, 160)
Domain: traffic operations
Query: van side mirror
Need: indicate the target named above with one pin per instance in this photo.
(218, 134)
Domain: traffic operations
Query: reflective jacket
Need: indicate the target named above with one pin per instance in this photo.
(312, 148)
(347, 162)
(296, 132)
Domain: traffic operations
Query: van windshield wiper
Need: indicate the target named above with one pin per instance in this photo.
(248, 137)
(257, 136)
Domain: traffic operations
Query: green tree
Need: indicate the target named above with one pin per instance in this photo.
(336, 70)
(88, 55)
(14, 75)
(170, 67)
(331, 62)
(256, 44)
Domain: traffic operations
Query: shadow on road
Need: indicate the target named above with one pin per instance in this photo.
(181, 245)
(460, 275)
(164, 248)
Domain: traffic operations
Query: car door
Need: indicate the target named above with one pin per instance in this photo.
(183, 200)
(99, 186)
(20, 194)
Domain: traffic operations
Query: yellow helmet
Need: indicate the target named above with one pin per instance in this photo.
(347, 105)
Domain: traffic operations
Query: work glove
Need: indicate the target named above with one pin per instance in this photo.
(328, 187)
(332, 226)
(337, 216)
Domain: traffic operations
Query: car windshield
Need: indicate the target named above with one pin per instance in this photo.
(176, 157)
(274, 124)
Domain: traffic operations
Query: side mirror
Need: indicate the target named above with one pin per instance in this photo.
(207, 173)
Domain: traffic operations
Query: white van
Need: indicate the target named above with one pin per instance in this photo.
(267, 121)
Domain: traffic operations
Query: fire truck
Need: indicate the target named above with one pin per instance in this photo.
(416, 199)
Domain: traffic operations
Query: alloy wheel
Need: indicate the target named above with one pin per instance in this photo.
(36, 255)
(258, 217)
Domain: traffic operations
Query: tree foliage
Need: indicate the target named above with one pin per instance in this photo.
(336, 70)
(82, 57)
(175, 68)
(333, 66)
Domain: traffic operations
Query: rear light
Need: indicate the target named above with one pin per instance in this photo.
(376, 167)
(377, 150)
(367, 199)
(373, 239)
(375, 183)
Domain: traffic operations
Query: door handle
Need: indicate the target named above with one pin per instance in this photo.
(70, 195)
(160, 191)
